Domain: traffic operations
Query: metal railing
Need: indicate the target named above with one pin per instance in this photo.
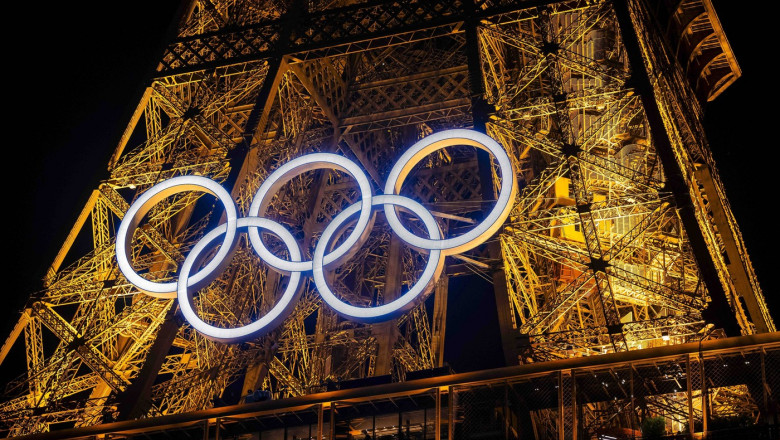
(721, 388)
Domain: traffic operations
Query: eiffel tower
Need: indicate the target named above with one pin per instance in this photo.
(620, 238)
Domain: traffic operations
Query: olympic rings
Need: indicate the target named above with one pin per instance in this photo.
(436, 247)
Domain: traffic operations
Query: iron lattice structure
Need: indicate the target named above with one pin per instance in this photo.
(620, 239)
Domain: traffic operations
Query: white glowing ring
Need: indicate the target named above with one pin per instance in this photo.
(270, 320)
(403, 303)
(283, 175)
(489, 225)
(143, 204)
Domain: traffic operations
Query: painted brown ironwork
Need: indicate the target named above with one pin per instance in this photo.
(621, 237)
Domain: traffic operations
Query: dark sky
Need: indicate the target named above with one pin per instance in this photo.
(740, 126)
(70, 90)
(73, 91)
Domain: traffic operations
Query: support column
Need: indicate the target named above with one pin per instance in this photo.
(450, 414)
(479, 111)
(439, 330)
(705, 398)
(768, 415)
(566, 406)
(675, 182)
(258, 117)
(437, 419)
(386, 333)
(320, 420)
(633, 400)
(332, 427)
(689, 395)
(134, 401)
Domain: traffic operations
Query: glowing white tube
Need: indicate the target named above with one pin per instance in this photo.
(406, 301)
(270, 320)
(489, 225)
(283, 175)
(143, 204)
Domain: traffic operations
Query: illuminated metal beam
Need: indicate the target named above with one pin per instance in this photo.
(674, 174)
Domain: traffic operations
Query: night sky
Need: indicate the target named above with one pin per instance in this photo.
(70, 93)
